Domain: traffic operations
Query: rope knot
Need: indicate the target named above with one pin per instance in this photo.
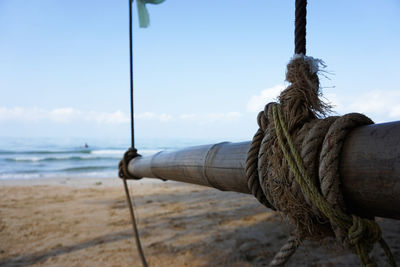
(301, 100)
(123, 172)
(363, 234)
(364, 231)
(293, 164)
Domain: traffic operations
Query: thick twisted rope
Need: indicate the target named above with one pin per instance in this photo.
(362, 233)
(305, 185)
(252, 163)
(300, 27)
(285, 252)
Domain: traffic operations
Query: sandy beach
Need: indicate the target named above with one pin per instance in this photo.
(85, 222)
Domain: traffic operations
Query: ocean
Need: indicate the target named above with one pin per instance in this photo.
(32, 158)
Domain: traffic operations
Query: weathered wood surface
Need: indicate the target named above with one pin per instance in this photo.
(370, 168)
(218, 165)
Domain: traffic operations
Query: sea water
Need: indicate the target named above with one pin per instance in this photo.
(32, 158)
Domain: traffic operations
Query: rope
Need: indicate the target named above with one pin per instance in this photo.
(131, 76)
(131, 153)
(305, 185)
(300, 27)
(134, 225)
(252, 164)
(123, 171)
(362, 233)
(285, 252)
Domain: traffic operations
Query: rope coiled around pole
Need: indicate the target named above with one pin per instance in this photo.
(123, 171)
(294, 160)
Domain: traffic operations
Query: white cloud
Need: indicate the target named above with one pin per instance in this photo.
(68, 115)
(71, 115)
(6, 113)
(230, 116)
(117, 117)
(189, 117)
(23, 114)
(378, 104)
(257, 102)
(61, 114)
(154, 116)
(211, 117)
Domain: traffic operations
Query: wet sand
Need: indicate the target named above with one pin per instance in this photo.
(85, 222)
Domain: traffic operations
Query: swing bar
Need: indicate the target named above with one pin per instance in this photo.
(370, 168)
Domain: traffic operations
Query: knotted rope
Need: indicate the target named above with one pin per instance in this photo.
(305, 185)
(123, 171)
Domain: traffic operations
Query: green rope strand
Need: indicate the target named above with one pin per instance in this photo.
(362, 233)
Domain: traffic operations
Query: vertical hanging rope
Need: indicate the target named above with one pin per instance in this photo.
(131, 153)
(131, 75)
(134, 225)
(300, 27)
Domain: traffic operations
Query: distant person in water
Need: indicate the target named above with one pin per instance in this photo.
(86, 145)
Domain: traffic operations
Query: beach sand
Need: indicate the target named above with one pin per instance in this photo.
(85, 222)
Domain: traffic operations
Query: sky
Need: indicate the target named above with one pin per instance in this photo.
(202, 70)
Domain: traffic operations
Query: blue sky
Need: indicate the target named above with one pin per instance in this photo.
(202, 69)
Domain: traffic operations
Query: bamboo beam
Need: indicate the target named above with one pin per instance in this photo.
(218, 165)
(370, 168)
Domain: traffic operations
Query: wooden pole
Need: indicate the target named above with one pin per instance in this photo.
(370, 168)
(220, 166)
